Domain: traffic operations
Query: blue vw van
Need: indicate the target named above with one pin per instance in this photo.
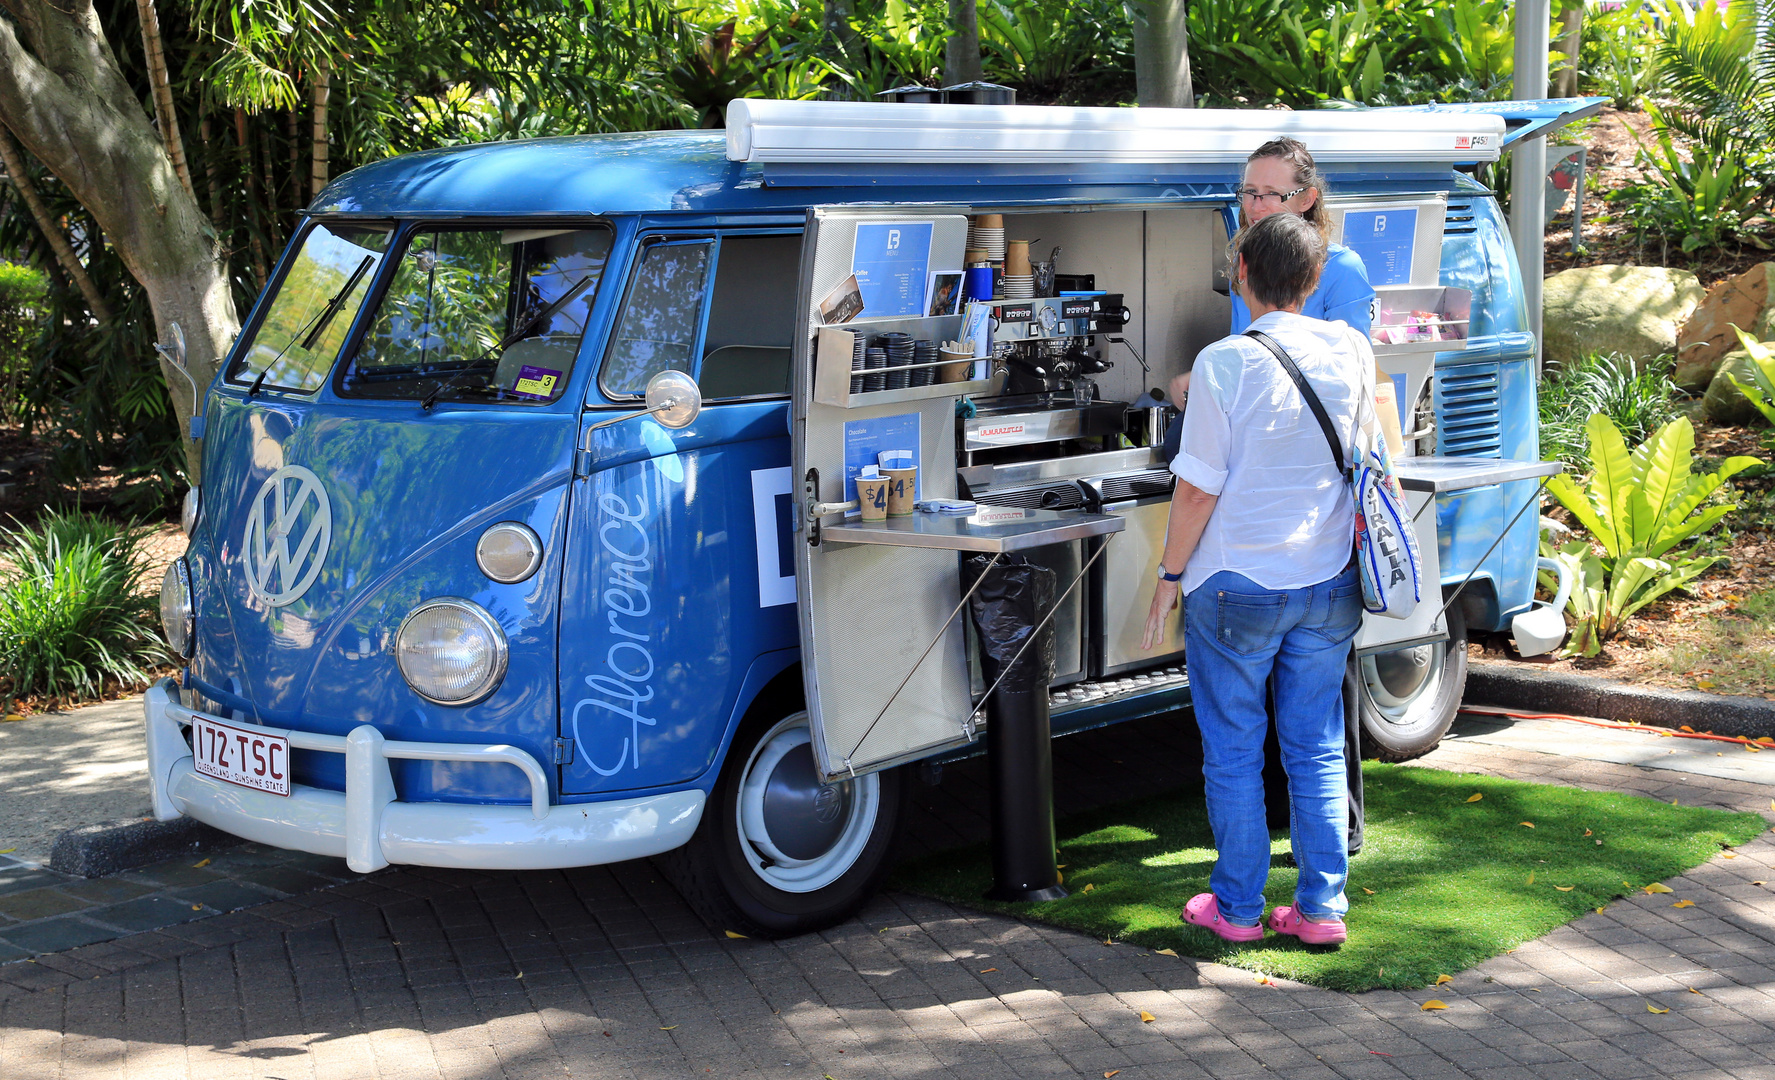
(526, 537)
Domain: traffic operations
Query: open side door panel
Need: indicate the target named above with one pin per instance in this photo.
(886, 678)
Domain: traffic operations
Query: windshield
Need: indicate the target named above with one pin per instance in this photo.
(482, 315)
(315, 304)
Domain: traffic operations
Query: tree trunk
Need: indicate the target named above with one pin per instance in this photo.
(961, 53)
(52, 231)
(163, 92)
(1161, 54)
(63, 95)
(322, 79)
(212, 173)
(250, 219)
(1571, 40)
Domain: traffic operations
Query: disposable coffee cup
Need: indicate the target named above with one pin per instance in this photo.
(902, 490)
(872, 497)
(1017, 259)
(957, 363)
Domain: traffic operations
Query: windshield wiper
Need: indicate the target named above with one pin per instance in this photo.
(522, 332)
(323, 318)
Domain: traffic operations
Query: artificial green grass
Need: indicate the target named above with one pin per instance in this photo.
(1441, 883)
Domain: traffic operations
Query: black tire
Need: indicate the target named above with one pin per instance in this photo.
(831, 865)
(1409, 697)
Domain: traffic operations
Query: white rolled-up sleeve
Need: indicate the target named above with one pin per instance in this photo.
(1206, 440)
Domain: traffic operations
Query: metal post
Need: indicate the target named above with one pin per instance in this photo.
(1528, 168)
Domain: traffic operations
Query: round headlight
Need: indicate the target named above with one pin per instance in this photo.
(508, 552)
(188, 512)
(450, 651)
(178, 618)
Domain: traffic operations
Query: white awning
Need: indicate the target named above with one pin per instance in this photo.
(834, 132)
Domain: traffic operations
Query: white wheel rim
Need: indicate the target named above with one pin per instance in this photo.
(764, 853)
(1413, 708)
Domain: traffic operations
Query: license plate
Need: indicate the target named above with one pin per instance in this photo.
(252, 759)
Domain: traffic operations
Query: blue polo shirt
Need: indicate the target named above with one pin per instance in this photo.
(1343, 295)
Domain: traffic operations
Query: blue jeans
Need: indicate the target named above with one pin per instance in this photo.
(1237, 635)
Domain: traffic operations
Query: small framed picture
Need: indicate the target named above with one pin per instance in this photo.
(944, 296)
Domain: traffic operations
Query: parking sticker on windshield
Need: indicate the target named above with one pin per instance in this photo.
(535, 382)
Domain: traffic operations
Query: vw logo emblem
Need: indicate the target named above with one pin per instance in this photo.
(827, 803)
(288, 531)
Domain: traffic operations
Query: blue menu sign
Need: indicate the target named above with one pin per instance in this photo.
(1384, 240)
(864, 441)
(892, 262)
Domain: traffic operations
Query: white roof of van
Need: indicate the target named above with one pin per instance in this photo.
(845, 132)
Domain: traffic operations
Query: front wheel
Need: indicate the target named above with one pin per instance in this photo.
(1409, 697)
(777, 852)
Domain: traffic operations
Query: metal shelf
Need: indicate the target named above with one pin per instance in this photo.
(990, 529)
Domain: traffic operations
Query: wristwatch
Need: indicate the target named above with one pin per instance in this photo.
(1169, 577)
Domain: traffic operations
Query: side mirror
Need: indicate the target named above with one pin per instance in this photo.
(673, 399)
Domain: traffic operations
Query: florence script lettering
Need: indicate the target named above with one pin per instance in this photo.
(626, 683)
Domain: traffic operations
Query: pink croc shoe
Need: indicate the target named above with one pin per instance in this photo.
(1287, 920)
(1204, 910)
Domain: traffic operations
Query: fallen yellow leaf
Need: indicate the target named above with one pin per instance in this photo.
(7, 851)
(1110, 1073)
(1658, 887)
(1684, 903)
(1599, 911)
(1759, 883)
(1531, 877)
(1586, 832)
(1430, 1005)
(1565, 888)
(1059, 875)
(1476, 796)
(987, 971)
(1728, 854)
(1687, 728)
(1368, 890)
(13, 718)
(1264, 980)
(1527, 824)
(1087, 888)
(1440, 979)
(1146, 1017)
(200, 865)
(1705, 684)
(1692, 990)
(1165, 952)
(1655, 1009)
(731, 934)
(1753, 747)
(674, 1027)
(1766, 740)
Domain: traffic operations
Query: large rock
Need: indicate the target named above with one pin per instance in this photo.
(1635, 310)
(1742, 301)
(1724, 403)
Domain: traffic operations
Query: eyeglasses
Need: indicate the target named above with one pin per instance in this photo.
(1256, 197)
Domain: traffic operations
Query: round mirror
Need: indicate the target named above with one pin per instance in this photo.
(673, 398)
(176, 333)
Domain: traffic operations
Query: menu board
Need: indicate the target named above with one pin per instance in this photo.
(865, 440)
(1385, 240)
(892, 263)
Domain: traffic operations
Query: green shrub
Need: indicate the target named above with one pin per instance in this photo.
(22, 291)
(72, 610)
(1640, 506)
(1760, 391)
(1639, 397)
(1618, 57)
(1703, 199)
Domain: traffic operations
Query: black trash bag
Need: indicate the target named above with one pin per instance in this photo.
(1007, 607)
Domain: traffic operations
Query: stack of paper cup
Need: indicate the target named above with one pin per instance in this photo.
(1019, 276)
(988, 234)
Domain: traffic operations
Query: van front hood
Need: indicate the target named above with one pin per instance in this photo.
(323, 525)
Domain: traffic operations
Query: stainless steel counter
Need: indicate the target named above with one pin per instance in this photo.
(1441, 474)
(990, 528)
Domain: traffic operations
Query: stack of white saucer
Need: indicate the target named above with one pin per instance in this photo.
(1020, 287)
(991, 241)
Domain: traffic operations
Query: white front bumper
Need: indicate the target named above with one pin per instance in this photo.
(369, 828)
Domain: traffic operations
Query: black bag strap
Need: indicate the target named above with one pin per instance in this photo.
(1306, 391)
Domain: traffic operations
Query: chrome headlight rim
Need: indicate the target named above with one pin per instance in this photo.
(190, 509)
(178, 572)
(504, 529)
(495, 672)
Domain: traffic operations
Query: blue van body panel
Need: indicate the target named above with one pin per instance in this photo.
(667, 563)
(1486, 404)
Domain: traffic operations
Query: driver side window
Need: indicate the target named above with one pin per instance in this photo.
(661, 317)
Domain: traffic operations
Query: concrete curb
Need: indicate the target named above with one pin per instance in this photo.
(111, 846)
(1583, 695)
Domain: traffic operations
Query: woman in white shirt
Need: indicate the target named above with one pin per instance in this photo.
(1261, 534)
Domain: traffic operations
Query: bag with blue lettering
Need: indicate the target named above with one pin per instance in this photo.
(1387, 557)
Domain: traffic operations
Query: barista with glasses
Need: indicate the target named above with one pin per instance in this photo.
(1280, 175)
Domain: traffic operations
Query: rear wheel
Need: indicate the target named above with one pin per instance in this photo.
(779, 853)
(1409, 697)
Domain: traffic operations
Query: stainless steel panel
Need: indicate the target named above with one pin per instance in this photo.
(990, 528)
(1032, 473)
(1046, 425)
(1131, 568)
(1440, 474)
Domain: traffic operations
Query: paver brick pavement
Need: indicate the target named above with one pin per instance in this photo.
(604, 973)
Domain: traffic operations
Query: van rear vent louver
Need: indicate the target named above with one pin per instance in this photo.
(1467, 420)
(1459, 220)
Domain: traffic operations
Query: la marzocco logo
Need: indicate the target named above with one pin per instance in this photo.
(291, 505)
